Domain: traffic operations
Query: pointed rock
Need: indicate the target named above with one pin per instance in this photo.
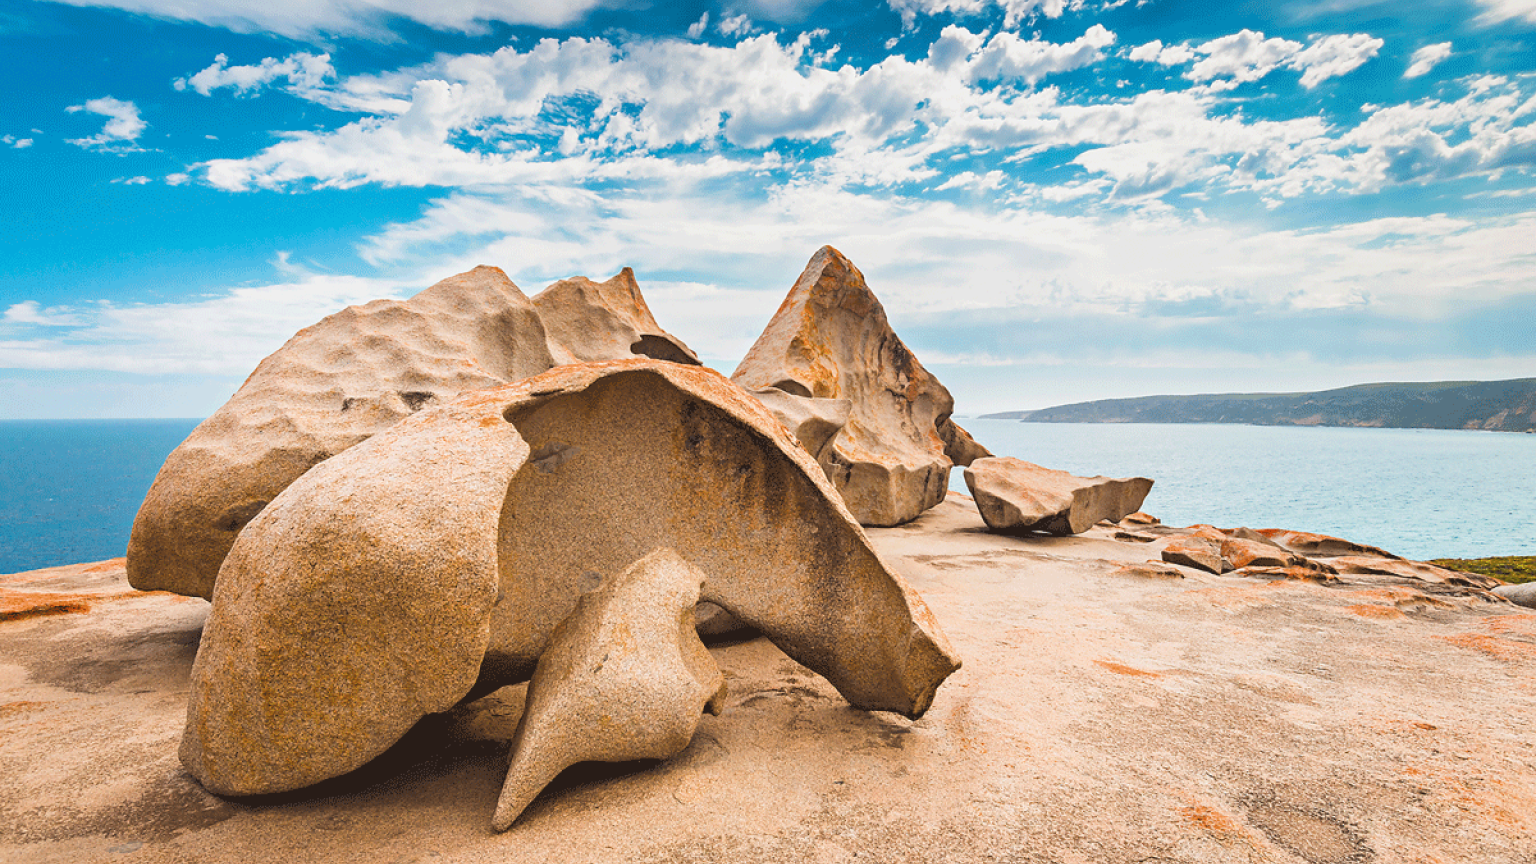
(1015, 496)
(331, 386)
(830, 340)
(440, 556)
(625, 677)
(589, 321)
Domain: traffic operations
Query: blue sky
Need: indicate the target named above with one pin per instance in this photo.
(1057, 200)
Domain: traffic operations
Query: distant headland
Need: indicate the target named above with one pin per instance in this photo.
(1504, 406)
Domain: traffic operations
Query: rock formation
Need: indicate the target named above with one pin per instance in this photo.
(589, 321)
(814, 422)
(355, 374)
(380, 585)
(1320, 545)
(625, 677)
(830, 340)
(1523, 594)
(1197, 552)
(1015, 496)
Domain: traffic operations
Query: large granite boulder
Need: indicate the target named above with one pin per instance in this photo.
(1017, 497)
(437, 559)
(830, 340)
(331, 386)
(589, 321)
(625, 677)
(1523, 594)
(355, 374)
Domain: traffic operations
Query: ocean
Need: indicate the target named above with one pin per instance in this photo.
(69, 489)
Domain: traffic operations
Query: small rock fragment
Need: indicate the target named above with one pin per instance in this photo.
(1132, 537)
(1016, 497)
(1149, 570)
(1523, 594)
(1196, 552)
(1140, 518)
(625, 677)
(1292, 572)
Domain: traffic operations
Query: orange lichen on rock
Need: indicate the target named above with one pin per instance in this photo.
(1122, 669)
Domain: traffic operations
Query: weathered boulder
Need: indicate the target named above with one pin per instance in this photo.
(830, 340)
(1242, 553)
(625, 677)
(356, 603)
(357, 373)
(1017, 497)
(470, 530)
(1411, 571)
(1197, 552)
(1523, 594)
(589, 321)
(331, 386)
(814, 422)
(1321, 545)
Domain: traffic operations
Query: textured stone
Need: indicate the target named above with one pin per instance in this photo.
(625, 677)
(589, 321)
(1242, 553)
(814, 422)
(356, 603)
(1197, 552)
(331, 386)
(1321, 545)
(959, 446)
(1411, 571)
(436, 560)
(1523, 594)
(1017, 497)
(830, 340)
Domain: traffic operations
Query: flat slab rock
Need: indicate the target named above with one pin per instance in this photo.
(1017, 497)
(1100, 717)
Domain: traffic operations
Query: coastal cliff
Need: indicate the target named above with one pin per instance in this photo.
(1504, 406)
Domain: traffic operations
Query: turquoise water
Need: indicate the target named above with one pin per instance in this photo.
(69, 489)
(1422, 493)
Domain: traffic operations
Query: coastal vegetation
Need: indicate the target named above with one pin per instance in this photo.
(1510, 568)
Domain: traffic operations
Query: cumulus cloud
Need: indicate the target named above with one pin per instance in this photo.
(1245, 56)
(304, 72)
(303, 18)
(1014, 11)
(1427, 58)
(123, 126)
(16, 143)
(1007, 56)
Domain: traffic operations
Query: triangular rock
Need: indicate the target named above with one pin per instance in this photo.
(830, 340)
(589, 321)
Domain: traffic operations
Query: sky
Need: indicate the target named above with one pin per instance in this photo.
(1055, 200)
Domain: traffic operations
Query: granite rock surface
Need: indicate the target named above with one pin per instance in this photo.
(1015, 496)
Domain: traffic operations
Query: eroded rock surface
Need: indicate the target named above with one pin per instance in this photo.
(1321, 545)
(469, 531)
(331, 386)
(589, 321)
(1015, 496)
(1198, 552)
(814, 422)
(830, 340)
(625, 677)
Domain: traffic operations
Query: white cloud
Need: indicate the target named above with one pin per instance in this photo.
(1427, 58)
(304, 72)
(122, 128)
(736, 25)
(1248, 56)
(1014, 11)
(1333, 56)
(304, 18)
(1495, 11)
(31, 312)
(16, 143)
(1007, 56)
(133, 181)
(697, 28)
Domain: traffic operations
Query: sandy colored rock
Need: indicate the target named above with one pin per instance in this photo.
(331, 386)
(1140, 518)
(959, 446)
(589, 321)
(830, 340)
(1523, 594)
(635, 455)
(1198, 552)
(1098, 718)
(1321, 545)
(1017, 497)
(1149, 570)
(468, 532)
(358, 602)
(814, 422)
(1242, 553)
(625, 677)
(1411, 572)
(1299, 572)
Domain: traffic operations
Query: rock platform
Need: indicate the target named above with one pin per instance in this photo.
(1108, 711)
